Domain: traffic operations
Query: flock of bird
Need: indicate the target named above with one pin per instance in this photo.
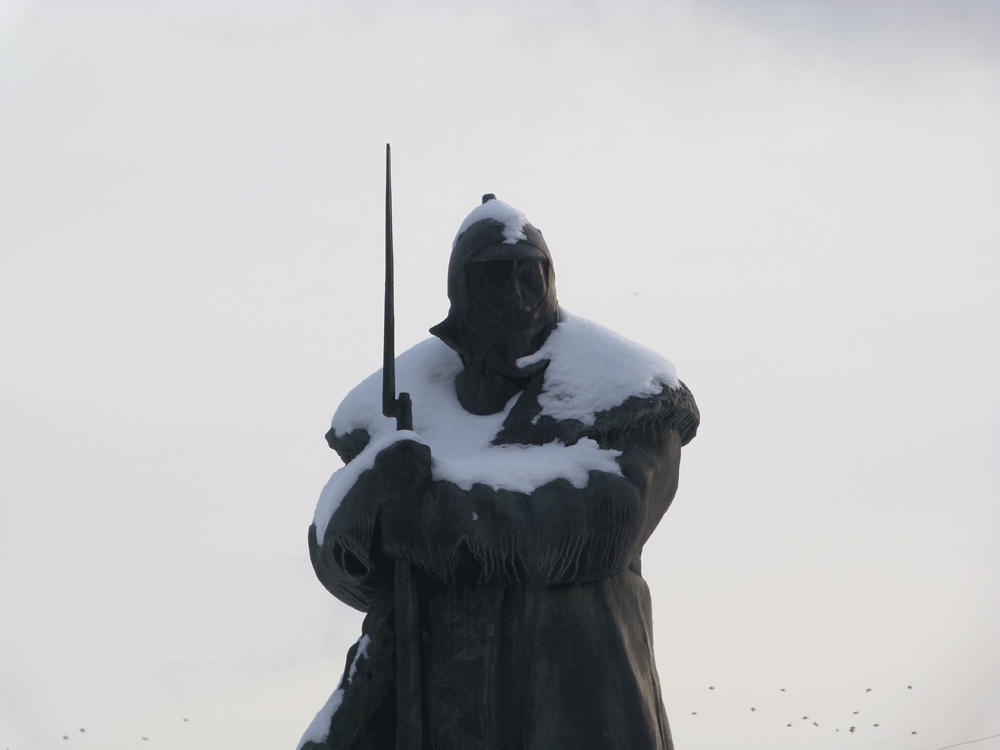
(851, 729)
(83, 730)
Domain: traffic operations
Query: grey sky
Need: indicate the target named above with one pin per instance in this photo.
(796, 205)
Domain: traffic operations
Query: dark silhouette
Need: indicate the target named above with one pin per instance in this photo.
(535, 627)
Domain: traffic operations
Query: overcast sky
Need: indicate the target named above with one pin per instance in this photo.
(795, 202)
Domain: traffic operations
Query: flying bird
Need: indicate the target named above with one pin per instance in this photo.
(815, 724)
(851, 730)
(752, 708)
(804, 718)
(789, 725)
(781, 689)
(82, 729)
(874, 725)
(711, 688)
(868, 690)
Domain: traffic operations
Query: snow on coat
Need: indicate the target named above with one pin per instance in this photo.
(591, 370)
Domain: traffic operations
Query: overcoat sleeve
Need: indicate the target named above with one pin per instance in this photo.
(349, 560)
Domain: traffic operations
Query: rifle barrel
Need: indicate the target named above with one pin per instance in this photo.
(409, 721)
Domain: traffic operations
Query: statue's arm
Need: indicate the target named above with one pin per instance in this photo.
(346, 559)
(349, 558)
(558, 533)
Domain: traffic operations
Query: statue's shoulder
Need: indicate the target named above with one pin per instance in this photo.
(426, 371)
(673, 407)
(609, 383)
(597, 383)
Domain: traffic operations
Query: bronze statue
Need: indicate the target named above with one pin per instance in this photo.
(544, 452)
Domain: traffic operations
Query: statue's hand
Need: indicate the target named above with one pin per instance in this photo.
(403, 475)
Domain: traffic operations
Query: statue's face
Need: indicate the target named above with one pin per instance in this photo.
(509, 310)
(506, 292)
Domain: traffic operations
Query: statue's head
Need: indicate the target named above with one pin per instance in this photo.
(502, 289)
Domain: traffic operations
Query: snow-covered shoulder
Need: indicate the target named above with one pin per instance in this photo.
(427, 369)
(592, 369)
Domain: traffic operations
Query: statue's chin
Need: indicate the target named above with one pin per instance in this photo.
(501, 357)
(511, 371)
(500, 349)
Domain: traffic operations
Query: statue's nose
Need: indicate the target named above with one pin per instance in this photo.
(521, 296)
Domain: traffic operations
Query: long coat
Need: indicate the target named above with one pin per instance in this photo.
(536, 625)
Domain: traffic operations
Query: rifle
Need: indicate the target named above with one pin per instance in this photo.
(409, 706)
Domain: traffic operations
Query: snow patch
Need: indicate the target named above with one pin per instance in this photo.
(343, 479)
(319, 729)
(363, 643)
(513, 220)
(591, 369)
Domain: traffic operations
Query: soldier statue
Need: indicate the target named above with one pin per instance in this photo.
(544, 451)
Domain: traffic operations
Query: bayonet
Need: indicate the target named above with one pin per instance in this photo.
(401, 407)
